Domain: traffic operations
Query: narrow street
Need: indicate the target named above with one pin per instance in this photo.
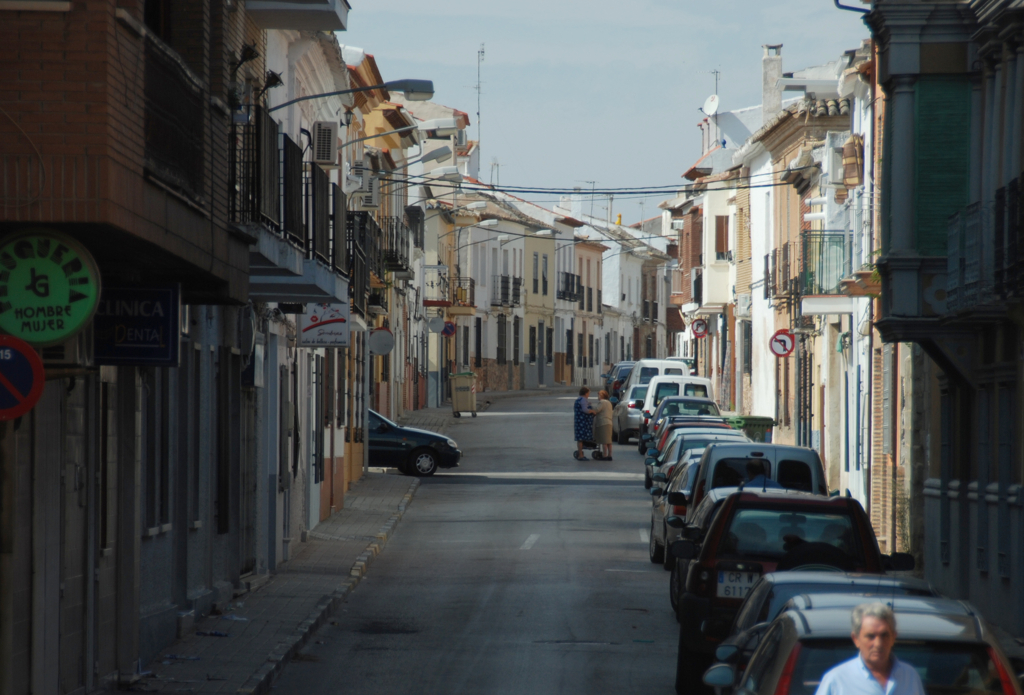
(521, 572)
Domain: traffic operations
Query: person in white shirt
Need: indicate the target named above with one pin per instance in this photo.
(876, 670)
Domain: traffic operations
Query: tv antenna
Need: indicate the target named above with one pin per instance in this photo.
(495, 168)
(479, 90)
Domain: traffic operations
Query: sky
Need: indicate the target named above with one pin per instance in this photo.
(581, 91)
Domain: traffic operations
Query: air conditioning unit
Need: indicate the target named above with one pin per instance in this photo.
(461, 138)
(76, 352)
(367, 196)
(325, 142)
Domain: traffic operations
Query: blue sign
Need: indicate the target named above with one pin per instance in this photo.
(138, 326)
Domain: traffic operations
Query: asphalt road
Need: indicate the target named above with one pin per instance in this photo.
(521, 572)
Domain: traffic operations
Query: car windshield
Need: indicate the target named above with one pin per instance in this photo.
(698, 444)
(773, 532)
(647, 373)
(735, 472)
(950, 669)
(639, 393)
(673, 371)
(782, 593)
(663, 390)
(684, 406)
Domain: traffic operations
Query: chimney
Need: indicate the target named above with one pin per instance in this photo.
(771, 72)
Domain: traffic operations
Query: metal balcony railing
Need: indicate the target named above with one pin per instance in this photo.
(173, 118)
(463, 291)
(396, 244)
(826, 260)
(318, 213)
(377, 302)
(255, 185)
(506, 290)
(339, 247)
(435, 286)
(375, 246)
(569, 286)
(415, 219)
(972, 242)
(359, 272)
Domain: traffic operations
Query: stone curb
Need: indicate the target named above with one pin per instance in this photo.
(285, 651)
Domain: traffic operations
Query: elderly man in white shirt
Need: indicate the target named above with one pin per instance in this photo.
(876, 670)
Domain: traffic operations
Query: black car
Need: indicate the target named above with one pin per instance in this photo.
(412, 451)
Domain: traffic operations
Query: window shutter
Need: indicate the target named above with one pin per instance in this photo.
(942, 149)
(721, 234)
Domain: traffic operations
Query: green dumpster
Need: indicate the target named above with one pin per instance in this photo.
(757, 427)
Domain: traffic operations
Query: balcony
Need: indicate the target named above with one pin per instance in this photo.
(506, 290)
(435, 286)
(599, 301)
(173, 121)
(678, 296)
(396, 247)
(646, 310)
(463, 297)
(294, 214)
(299, 15)
(377, 302)
(358, 266)
(590, 299)
(781, 281)
(827, 259)
(570, 287)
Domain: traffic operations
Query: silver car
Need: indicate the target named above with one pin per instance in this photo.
(627, 416)
(946, 641)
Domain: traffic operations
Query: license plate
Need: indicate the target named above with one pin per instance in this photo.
(732, 584)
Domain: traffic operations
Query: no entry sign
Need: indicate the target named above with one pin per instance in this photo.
(21, 377)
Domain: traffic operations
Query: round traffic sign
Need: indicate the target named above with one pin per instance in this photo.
(448, 330)
(381, 341)
(782, 343)
(49, 285)
(21, 377)
(699, 328)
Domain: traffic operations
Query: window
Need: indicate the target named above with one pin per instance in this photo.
(795, 475)
(582, 355)
(590, 349)
(502, 340)
(622, 347)
(465, 346)
(698, 390)
(544, 276)
(477, 342)
(536, 273)
(549, 344)
(533, 344)
(721, 237)
(748, 350)
(515, 340)
(568, 347)
(608, 347)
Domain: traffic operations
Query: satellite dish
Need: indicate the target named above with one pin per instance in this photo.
(436, 324)
(711, 105)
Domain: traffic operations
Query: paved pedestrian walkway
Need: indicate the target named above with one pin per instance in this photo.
(243, 648)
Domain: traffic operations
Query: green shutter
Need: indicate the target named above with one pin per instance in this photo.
(942, 149)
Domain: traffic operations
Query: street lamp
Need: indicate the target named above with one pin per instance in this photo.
(414, 90)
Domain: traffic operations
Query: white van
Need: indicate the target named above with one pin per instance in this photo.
(645, 370)
(661, 387)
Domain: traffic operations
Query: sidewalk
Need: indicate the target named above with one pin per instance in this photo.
(244, 648)
(439, 419)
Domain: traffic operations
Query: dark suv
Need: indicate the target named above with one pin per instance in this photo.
(752, 533)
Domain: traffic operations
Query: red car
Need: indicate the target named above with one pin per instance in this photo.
(754, 533)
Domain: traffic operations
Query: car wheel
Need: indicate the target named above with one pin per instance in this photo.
(668, 560)
(655, 550)
(423, 463)
(690, 667)
(673, 589)
(623, 438)
(640, 443)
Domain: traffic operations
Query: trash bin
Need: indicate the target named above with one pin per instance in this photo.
(463, 393)
(757, 427)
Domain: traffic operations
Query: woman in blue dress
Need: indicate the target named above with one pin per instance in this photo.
(583, 422)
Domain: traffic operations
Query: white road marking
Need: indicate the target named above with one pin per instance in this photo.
(550, 475)
(634, 571)
(645, 536)
(529, 542)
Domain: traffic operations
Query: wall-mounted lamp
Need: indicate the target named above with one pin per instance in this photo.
(346, 119)
(247, 54)
(272, 79)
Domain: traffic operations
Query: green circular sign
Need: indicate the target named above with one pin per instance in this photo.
(49, 287)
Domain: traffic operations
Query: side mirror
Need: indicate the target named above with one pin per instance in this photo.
(653, 452)
(727, 652)
(647, 413)
(678, 499)
(659, 478)
(650, 461)
(383, 427)
(899, 562)
(604, 376)
(692, 533)
(674, 521)
(657, 492)
(684, 550)
(720, 676)
(645, 437)
(613, 400)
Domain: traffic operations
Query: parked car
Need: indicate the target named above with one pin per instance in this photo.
(627, 415)
(687, 439)
(680, 480)
(947, 642)
(410, 450)
(646, 369)
(615, 376)
(777, 591)
(753, 533)
(729, 465)
(661, 387)
(688, 361)
(683, 405)
(659, 438)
